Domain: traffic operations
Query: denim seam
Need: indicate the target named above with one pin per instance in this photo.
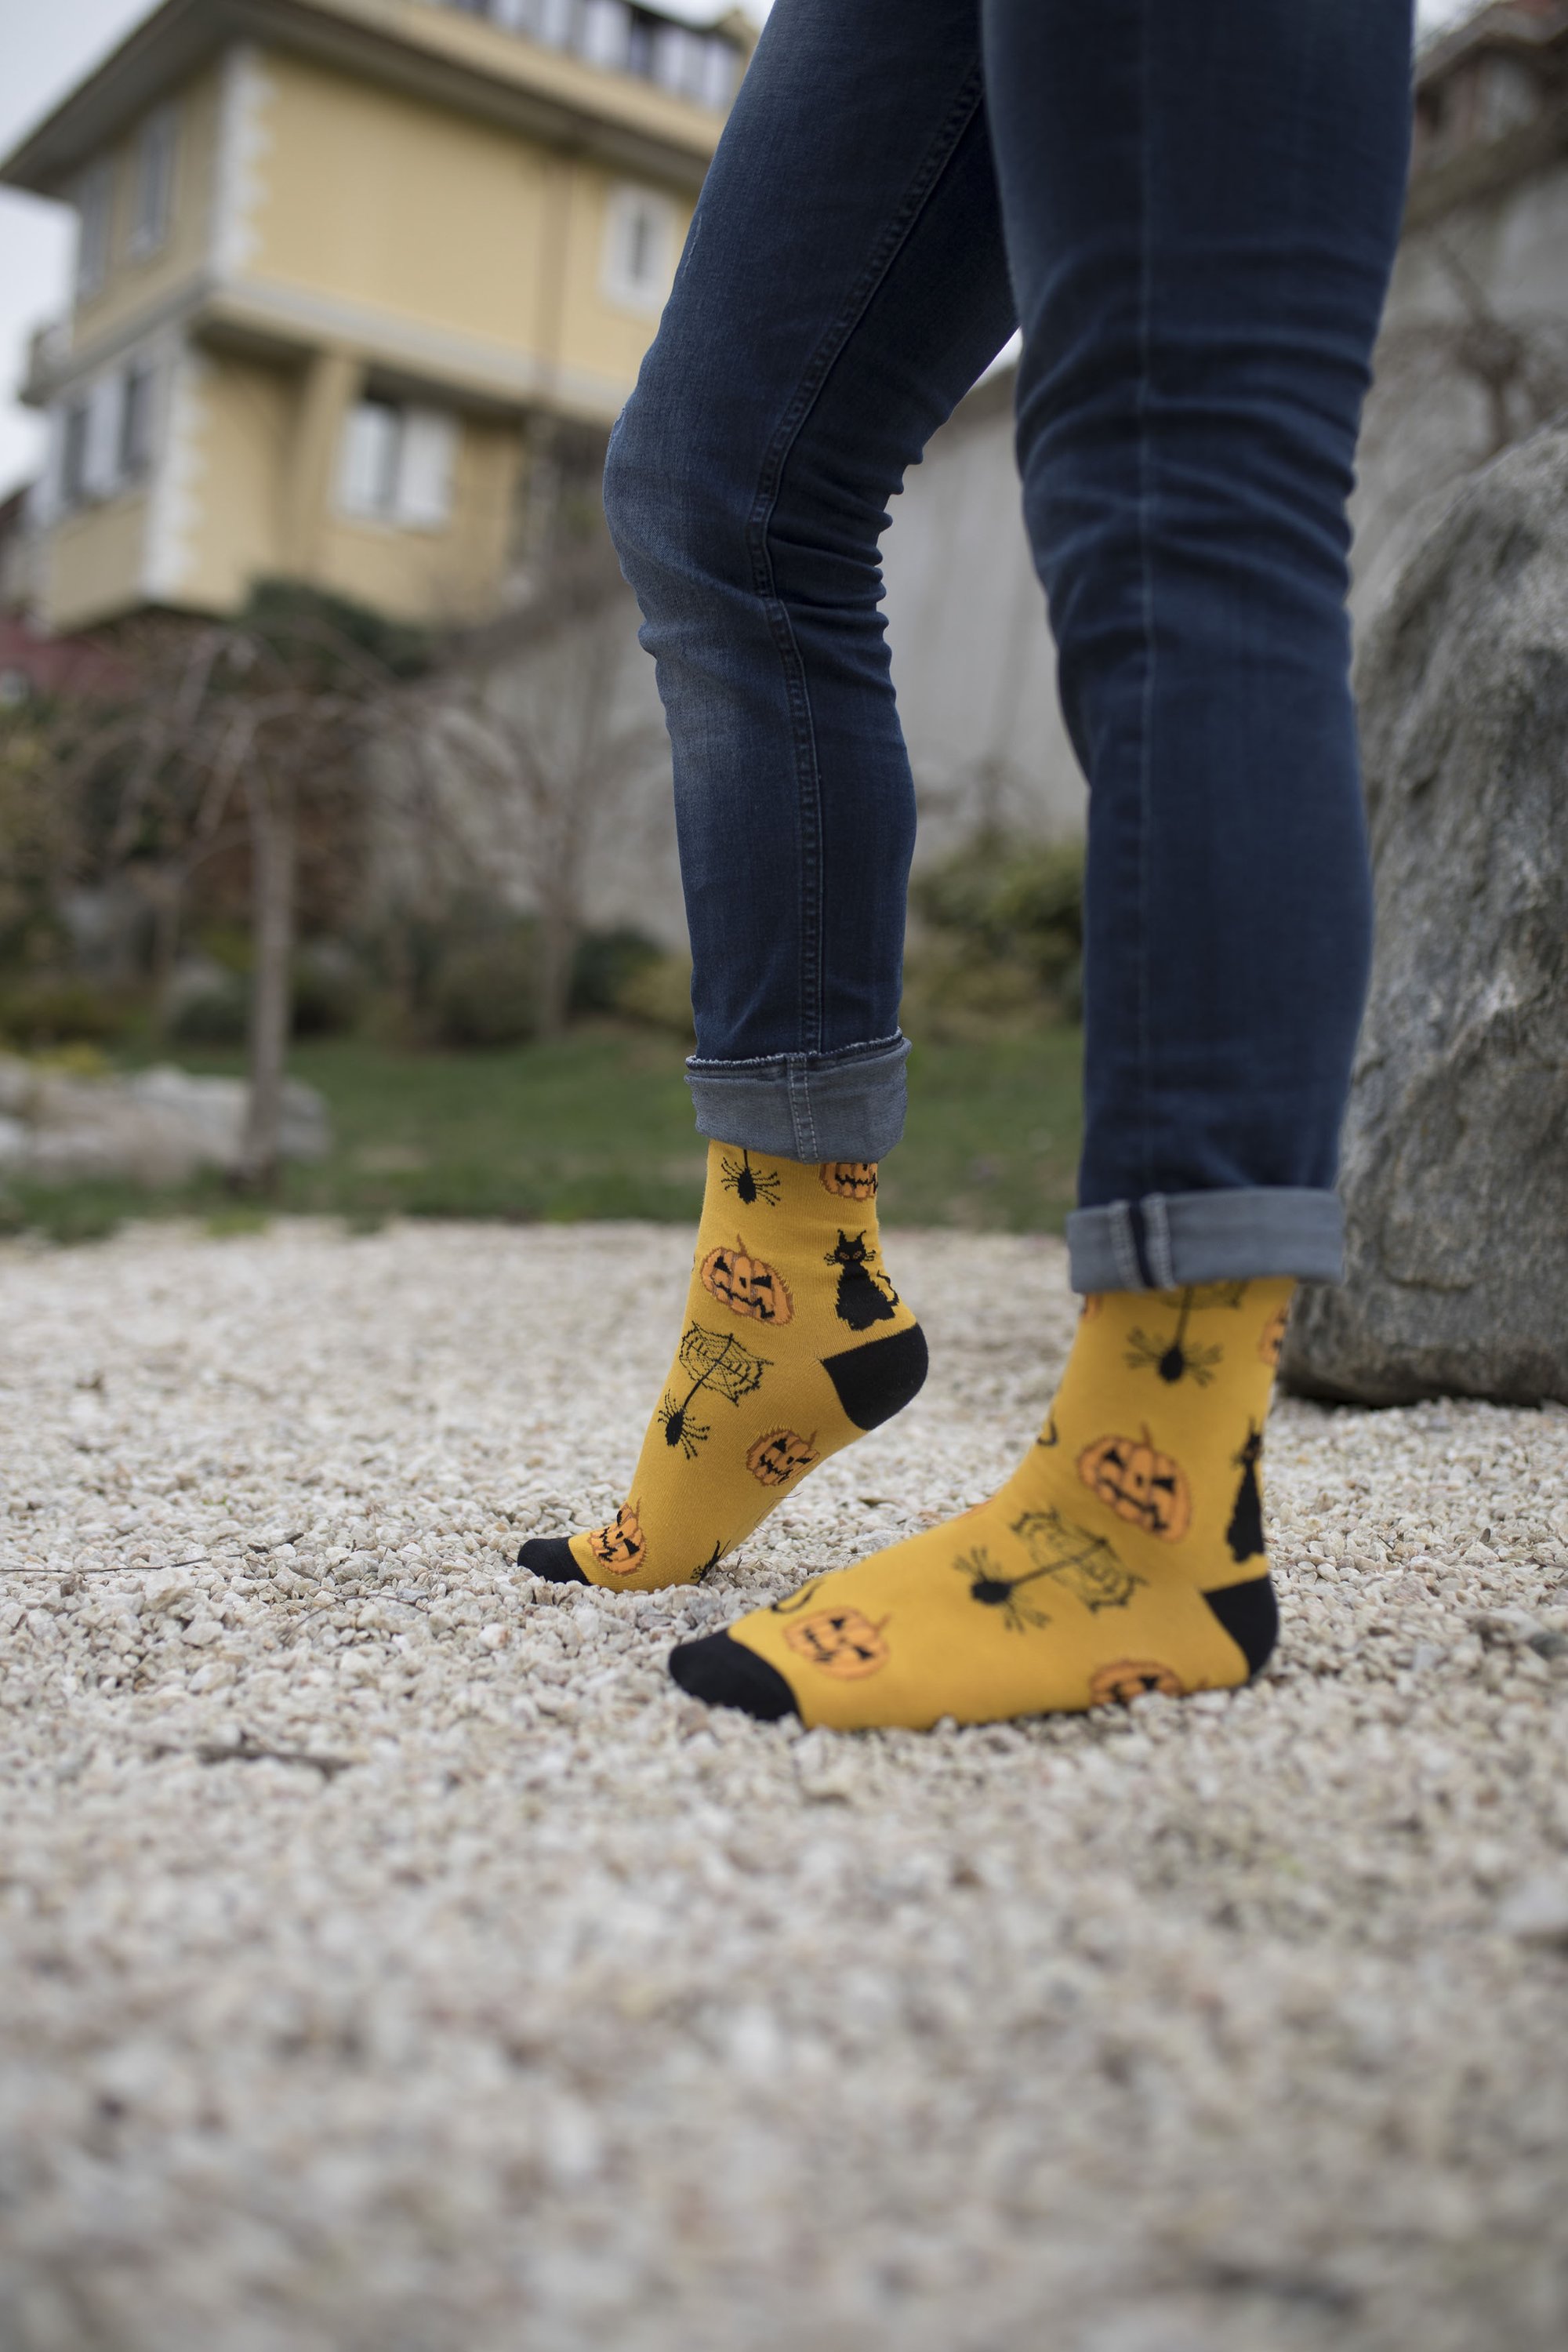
(1157, 1242)
(1146, 563)
(801, 1108)
(779, 1061)
(776, 459)
(1122, 1241)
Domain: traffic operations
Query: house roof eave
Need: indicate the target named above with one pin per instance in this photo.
(446, 55)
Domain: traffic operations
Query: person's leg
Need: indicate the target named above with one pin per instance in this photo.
(1202, 200)
(1200, 279)
(843, 285)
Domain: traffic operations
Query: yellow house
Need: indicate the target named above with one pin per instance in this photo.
(348, 274)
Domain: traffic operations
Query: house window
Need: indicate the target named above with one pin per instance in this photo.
(717, 74)
(640, 248)
(73, 454)
(105, 406)
(677, 60)
(369, 483)
(397, 462)
(136, 422)
(1509, 96)
(699, 65)
(550, 21)
(95, 199)
(606, 32)
(102, 439)
(154, 183)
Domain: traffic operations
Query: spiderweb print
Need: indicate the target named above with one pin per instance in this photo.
(719, 1363)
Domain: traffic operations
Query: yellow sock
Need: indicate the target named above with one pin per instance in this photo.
(1125, 1555)
(794, 1342)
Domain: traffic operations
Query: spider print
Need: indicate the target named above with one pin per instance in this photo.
(714, 1557)
(995, 1591)
(1050, 1435)
(862, 1298)
(747, 1183)
(1088, 1565)
(1177, 1356)
(1245, 1533)
(714, 1362)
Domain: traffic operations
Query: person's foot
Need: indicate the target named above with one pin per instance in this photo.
(1125, 1555)
(794, 1343)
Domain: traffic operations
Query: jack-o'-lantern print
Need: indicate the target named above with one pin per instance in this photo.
(1130, 1678)
(843, 1643)
(1139, 1483)
(865, 1293)
(780, 1456)
(621, 1547)
(850, 1180)
(747, 1285)
(1272, 1337)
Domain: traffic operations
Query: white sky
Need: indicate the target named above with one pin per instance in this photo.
(44, 49)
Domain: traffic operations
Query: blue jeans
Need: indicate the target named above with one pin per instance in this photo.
(1191, 209)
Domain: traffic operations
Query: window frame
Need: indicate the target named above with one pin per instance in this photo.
(390, 486)
(95, 228)
(625, 201)
(137, 394)
(153, 182)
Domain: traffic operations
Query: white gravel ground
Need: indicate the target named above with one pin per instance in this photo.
(393, 1961)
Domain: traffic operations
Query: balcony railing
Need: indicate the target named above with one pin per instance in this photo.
(619, 37)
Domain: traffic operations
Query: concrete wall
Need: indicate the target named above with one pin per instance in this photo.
(972, 659)
(1430, 420)
(972, 664)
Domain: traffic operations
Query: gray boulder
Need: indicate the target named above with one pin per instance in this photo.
(157, 1126)
(1456, 1154)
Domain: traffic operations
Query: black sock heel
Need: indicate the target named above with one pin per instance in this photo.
(551, 1557)
(878, 1380)
(1251, 1615)
(726, 1674)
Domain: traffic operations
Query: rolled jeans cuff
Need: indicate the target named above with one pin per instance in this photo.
(1169, 1239)
(845, 1106)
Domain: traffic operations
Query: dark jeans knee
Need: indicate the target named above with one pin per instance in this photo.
(678, 528)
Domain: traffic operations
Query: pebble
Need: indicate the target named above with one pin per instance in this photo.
(1537, 1912)
(393, 1956)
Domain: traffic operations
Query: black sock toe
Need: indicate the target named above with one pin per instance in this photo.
(726, 1674)
(551, 1557)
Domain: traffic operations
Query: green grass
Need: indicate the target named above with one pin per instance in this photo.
(599, 1125)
